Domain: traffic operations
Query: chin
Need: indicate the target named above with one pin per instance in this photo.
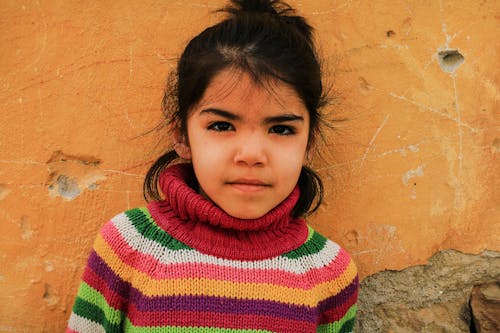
(248, 215)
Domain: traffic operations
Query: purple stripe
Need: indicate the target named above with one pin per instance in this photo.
(222, 305)
(340, 298)
(114, 282)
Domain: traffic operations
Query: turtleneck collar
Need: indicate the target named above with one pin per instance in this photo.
(199, 223)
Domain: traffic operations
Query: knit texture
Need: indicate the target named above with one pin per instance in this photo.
(182, 265)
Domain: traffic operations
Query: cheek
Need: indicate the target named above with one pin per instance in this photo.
(207, 157)
(290, 163)
(205, 150)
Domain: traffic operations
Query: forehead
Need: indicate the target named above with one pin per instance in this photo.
(237, 88)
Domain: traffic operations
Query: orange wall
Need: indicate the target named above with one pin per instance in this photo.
(413, 170)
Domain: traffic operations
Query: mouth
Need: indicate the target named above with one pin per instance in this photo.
(249, 185)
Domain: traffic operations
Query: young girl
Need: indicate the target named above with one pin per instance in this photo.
(225, 247)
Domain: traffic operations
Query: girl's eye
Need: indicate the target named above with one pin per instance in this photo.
(221, 126)
(282, 130)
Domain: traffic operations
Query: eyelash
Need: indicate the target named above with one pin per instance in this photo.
(282, 130)
(216, 126)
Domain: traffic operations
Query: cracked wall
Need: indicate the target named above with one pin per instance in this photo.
(412, 171)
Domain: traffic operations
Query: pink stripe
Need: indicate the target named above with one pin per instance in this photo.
(69, 330)
(144, 262)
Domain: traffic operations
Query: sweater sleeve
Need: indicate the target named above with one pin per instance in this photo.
(102, 296)
(338, 312)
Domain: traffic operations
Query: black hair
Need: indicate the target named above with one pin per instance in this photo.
(266, 40)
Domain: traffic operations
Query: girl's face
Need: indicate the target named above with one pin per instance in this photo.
(247, 143)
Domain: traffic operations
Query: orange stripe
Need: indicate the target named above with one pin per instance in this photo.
(202, 286)
(143, 262)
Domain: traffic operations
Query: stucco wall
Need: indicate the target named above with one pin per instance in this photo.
(413, 170)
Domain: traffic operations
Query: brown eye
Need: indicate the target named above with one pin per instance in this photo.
(282, 130)
(221, 126)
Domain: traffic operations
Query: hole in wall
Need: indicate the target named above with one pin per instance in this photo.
(70, 175)
(390, 33)
(450, 60)
(352, 238)
(67, 187)
(496, 145)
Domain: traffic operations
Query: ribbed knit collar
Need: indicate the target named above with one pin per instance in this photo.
(199, 223)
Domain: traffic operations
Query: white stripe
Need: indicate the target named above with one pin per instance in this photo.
(166, 256)
(84, 325)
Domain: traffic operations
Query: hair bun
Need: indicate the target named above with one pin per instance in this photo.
(280, 9)
(276, 7)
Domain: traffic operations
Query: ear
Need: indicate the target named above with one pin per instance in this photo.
(181, 146)
(182, 150)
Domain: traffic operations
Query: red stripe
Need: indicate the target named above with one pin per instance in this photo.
(113, 299)
(339, 311)
(214, 319)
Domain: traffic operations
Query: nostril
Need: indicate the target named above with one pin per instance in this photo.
(250, 157)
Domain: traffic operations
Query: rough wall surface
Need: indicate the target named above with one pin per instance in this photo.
(413, 169)
(431, 298)
(485, 307)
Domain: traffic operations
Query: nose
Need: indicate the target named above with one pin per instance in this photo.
(251, 151)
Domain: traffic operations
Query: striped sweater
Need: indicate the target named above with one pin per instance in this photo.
(183, 265)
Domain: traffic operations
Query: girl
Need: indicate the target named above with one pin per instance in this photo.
(226, 248)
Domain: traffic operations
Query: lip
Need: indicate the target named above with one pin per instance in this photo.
(248, 185)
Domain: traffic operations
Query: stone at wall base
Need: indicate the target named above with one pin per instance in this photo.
(485, 305)
(431, 298)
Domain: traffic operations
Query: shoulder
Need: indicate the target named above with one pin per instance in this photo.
(324, 254)
(135, 230)
(126, 221)
(123, 230)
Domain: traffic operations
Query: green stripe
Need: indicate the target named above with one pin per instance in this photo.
(313, 245)
(129, 328)
(92, 296)
(94, 313)
(348, 326)
(344, 325)
(310, 233)
(143, 221)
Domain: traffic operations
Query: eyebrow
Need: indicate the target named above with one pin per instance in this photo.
(269, 120)
(221, 113)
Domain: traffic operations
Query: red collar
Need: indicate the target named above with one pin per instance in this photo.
(197, 222)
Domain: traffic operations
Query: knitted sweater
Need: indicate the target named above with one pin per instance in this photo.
(184, 265)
